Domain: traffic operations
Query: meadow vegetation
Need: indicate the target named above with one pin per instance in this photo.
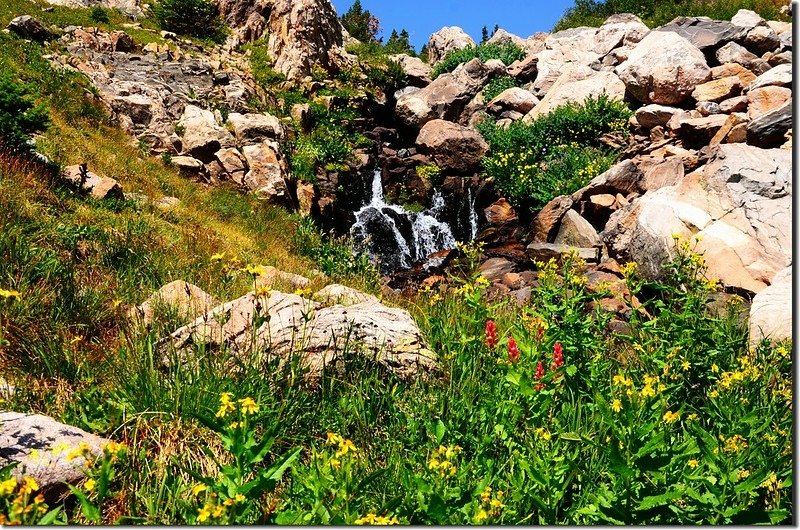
(507, 53)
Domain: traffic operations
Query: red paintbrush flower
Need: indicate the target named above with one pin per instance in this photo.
(558, 356)
(539, 375)
(491, 334)
(513, 350)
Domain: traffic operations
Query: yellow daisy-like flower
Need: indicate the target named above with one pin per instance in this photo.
(204, 514)
(9, 294)
(197, 489)
(671, 417)
(693, 463)
(249, 406)
(218, 257)
(239, 498)
(333, 439)
(346, 446)
(90, 485)
(335, 463)
(616, 405)
(29, 485)
(7, 486)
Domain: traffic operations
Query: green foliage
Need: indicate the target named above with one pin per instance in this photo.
(497, 85)
(399, 43)
(19, 115)
(360, 23)
(260, 65)
(196, 18)
(99, 15)
(336, 257)
(555, 154)
(658, 12)
(508, 53)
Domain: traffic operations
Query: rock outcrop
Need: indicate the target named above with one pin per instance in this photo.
(771, 311)
(446, 41)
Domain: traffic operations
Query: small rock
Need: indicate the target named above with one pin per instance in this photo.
(546, 251)
(500, 213)
(96, 186)
(737, 104)
(765, 99)
(650, 116)
(576, 231)
(781, 76)
(718, 89)
(187, 300)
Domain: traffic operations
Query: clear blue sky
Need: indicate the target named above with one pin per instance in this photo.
(423, 17)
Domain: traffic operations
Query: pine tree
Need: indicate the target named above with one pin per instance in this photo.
(484, 34)
(360, 23)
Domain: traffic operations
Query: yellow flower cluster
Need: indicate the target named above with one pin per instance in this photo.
(771, 483)
(213, 508)
(226, 406)
(373, 519)
(22, 504)
(345, 446)
(442, 459)
(9, 294)
(671, 417)
(83, 450)
(543, 434)
(491, 504)
(735, 444)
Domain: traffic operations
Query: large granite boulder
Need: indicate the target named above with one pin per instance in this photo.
(576, 85)
(739, 204)
(771, 310)
(280, 325)
(48, 451)
(445, 41)
(186, 300)
(664, 68)
(202, 136)
(418, 73)
(451, 146)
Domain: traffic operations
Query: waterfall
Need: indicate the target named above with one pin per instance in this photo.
(397, 237)
(473, 215)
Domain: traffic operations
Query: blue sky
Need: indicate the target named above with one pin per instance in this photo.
(423, 17)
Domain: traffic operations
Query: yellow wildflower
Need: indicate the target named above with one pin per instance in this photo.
(225, 405)
(219, 511)
(218, 257)
(89, 485)
(228, 502)
(616, 405)
(197, 489)
(335, 463)
(9, 294)
(29, 485)
(693, 463)
(239, 498)
(685, 365)
(714, 368)
(333, 439)
(204, 513)
(742, 474)
(671, 417)
(346, 446)
(249, 406)
(771, 483)
(481, 516)
(7, 486)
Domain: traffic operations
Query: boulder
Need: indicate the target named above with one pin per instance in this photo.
(650, 116)
(233, 163)
(92, 184)
(718, 89)
(732, 131)
(270, 276)
(524, 69)
(513, 99)
(28, 27)
(283, 326)
(766, 99)
(202, 137)
(769, 130)
(728, 69)
(781, 76)
(187, 165)
(343, 295)
(131, 8)
(417, 72)
(46, 450)
(301, 33)
(500, 212)
(739, 204)
(703, 32)
(447, 40)
(664, 68)
(451, 146)
(761, 40)
(771, 311)
(747, 19)
(577, 232)
(567, 90)
(494, 269)
(121, 42)
(735, 53)
(736, 104)
(446, 97)
(266, 172)
(697, 132)
(547, 251)
(186, 300)
(252, 128)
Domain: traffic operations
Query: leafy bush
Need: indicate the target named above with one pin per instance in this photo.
(260, 65)
(196, 18)
(19, 116)
(99, 15)
(497, 85)
(658, 12)
(555, 154)
(508, 53)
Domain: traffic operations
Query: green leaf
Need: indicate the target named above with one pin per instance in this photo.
(437, 510)
(571, 436)
(571, 370)
(90, 511)
(654, 501)
(654, 443)
(439, 430)
(50, 517)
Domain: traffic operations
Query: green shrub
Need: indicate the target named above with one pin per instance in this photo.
(196, 18)
(99, 15)
(658, 12)
(555, 154)
(260, 65)
(19, 116)
(508, 53)
(497, 85)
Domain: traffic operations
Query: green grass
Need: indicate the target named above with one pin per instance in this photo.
(508, 53)
(654, 13)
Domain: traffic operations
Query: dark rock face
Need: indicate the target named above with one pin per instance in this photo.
(703, 33)
(28, 27)
(769, 130)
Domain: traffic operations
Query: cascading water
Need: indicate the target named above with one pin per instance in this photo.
(473, 215)
(397, 237)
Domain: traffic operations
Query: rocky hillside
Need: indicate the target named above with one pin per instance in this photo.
(303, 280)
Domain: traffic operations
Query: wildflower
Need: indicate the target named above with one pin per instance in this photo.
(714, 368)
(742, 474)
(225, 405)
(219, 511)
(486, 495)
(9, 294)
(648, 391)
(616, 405)
(685, 365)
(233, 425)
(7, 486)
(29, 485)
(249, 406)
(335, 463)
(693, 463)
(89, 485)
(204, 513)
(491, 334)
(771, 483)
(346, 446)
(333, 439)
(513, 350)
(228, 502)
(543, 433)
(218, 257)
(197, 489)
(671, 417)
(735, 444)
(539, 375)
(481, 516)
(558, 356)
(116, 303)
